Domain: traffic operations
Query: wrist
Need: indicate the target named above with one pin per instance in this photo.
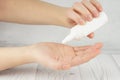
(35, 53)
(28, 56)
(14, 56)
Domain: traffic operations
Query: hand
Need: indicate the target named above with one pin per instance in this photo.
(60, 57)
(84, 11)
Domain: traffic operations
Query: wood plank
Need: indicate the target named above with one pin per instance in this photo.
(117, 59)
(106, 69)
(47, 74)
(24, 72)
(100, 68)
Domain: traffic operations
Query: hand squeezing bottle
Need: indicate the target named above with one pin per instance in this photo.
(79, 31)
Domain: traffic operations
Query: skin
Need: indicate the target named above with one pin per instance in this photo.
(36, 12)
(52, 55)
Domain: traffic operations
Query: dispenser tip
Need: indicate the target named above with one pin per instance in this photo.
(68, 39)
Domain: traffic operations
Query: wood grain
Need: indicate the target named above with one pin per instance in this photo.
(103, 67)
(24, 72)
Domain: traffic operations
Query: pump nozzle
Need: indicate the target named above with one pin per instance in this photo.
(70, 37)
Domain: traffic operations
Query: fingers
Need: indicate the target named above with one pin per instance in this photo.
(91, 8)
(98, 45)
(79, 58)
(82, 10)
(75, 17)
(91, 35)
(90, 55)
(84, 54)
(81, 48)
(87, 55)
(97, 5)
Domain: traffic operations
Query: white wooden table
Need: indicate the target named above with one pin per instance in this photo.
(103, 67)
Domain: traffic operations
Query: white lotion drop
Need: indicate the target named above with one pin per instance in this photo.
(79, 31)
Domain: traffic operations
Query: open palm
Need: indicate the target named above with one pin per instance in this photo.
(60, 56)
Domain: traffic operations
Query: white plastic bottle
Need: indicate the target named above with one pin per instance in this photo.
(79, 31)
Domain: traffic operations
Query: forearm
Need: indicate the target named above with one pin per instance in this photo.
(13, 56)
(33, 12)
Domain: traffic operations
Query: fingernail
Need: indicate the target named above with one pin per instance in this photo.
(89, 17)
(82, 22)
(100, 9)
(96, 14)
